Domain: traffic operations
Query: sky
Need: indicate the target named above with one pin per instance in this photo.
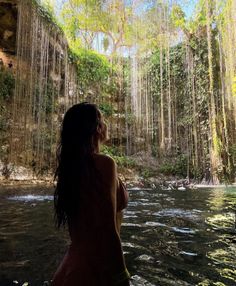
(187, 5)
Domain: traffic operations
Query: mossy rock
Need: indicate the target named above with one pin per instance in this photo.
(8, 27)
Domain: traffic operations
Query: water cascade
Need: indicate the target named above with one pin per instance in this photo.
(192, 83)
(46, 85)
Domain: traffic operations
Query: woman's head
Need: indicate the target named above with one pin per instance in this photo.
(82, 130)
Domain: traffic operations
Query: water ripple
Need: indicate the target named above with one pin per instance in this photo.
(31, 198)
(146, 258)
(183, 230)
(191, 214)
(153, 223)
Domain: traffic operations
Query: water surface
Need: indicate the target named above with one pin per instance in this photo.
(170, 237)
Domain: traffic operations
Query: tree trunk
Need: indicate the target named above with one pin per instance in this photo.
(214, 141)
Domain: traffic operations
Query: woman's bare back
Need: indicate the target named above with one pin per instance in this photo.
(94, 235)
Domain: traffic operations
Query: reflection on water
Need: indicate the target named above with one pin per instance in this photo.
(169, 237)
(31, 198)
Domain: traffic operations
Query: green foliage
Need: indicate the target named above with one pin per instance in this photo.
(106, 109)
(147, 173)
(232, 151)
(46, 10)
(178, 17)
(50, 103)
(4, 121)
(120, 159)
(7, 84)
(178, 72)
(177, 58)
(92, 68)
(185, 74)
(123, 161)
(85, 19)
(177, 167)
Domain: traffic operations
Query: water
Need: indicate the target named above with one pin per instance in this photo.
(169, 237)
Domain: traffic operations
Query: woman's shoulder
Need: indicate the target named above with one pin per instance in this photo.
(104, 160)
(106, 167)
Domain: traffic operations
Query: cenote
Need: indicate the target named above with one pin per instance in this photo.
(163, 75)
(170, 237)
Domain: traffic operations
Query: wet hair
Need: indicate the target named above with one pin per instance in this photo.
(74, 159)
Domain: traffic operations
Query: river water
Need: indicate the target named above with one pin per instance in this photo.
(170, 237)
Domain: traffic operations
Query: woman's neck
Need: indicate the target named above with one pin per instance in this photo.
(97, 148)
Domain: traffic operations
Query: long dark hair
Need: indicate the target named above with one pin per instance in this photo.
(74, 158)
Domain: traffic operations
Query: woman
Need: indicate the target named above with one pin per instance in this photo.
(89, 199)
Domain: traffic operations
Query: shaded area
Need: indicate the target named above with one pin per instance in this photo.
(8, 26)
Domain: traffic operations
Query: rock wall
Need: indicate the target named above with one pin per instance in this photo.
(45, 85)
(8, 30)
(8, 26)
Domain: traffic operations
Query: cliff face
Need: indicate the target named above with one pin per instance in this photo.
(8, 26)
(35, 51)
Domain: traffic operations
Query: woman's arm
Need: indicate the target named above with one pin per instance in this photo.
(122, 200)
(119, 219)
(112, 243)
(122, 195)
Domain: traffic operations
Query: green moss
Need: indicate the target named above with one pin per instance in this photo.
(7, 84)
(93, 71)
(46, 12)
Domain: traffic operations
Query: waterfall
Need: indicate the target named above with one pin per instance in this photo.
(134, 86)
(46, 85)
